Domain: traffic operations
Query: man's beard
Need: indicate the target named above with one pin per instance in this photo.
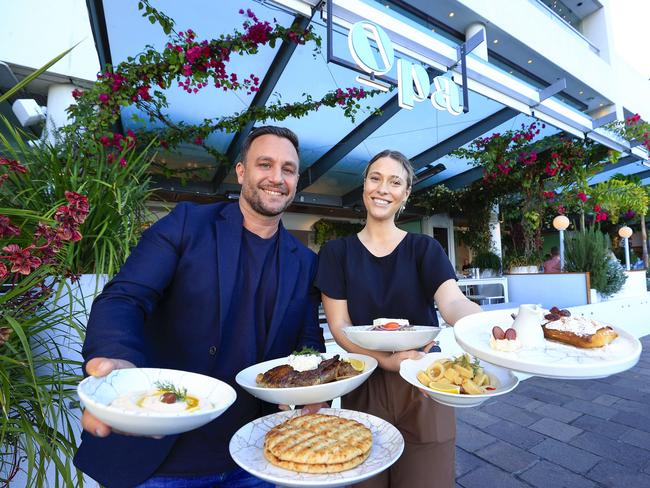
(254, 199)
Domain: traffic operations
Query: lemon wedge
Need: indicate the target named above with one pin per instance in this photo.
(356, 364)
(447, 389)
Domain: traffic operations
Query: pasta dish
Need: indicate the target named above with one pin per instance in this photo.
(458, 375)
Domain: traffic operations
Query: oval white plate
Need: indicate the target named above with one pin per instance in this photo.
(391, 340)
(96, 394)
(503, 379)
(555, 360)
(247, 445)
(302, 395)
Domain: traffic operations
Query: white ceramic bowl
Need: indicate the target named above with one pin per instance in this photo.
(391, 340)
(503, 379)
(96, 394)
(303, 395)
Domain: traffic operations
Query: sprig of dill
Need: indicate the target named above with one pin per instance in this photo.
(169, 387)
(307, 351)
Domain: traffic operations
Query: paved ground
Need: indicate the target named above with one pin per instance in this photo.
(551, 433)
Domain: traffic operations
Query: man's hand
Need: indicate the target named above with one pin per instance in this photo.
(101, 367)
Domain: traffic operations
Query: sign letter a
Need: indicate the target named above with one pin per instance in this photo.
(412, 83)
(446, 96)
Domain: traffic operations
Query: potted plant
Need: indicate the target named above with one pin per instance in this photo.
(588, 251)
(520, 264)
(488, 263)
(38, 386)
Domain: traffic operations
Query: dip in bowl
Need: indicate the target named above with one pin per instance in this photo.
(155, 402)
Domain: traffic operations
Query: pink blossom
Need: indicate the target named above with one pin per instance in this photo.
(186, 70)
(7, 228)
(582, 196)
(596, 208)
(103, 97)
(21, 260)
(14, 165)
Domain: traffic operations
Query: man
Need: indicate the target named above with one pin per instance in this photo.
(552, 264)
(210, 289)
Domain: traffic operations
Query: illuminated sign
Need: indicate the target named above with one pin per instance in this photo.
(413, 84)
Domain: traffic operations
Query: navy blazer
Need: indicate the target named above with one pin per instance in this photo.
(167, 306)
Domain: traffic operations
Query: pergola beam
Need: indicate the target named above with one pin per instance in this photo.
(267, 87)
(342, 148)
(443, 148)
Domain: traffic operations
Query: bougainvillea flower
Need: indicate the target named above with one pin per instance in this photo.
(582, 196)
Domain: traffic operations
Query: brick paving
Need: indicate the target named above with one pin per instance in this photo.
(554, 434)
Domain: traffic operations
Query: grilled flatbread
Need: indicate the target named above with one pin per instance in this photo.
(315, 468)
(318, 443)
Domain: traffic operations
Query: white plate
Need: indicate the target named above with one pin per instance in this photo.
(503, 379)
(302, 395)
(555, 360)
(96, 394)
(247, 445)
(391, 340)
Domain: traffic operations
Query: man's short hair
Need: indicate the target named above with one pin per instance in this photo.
(555, 251)
(264, 130)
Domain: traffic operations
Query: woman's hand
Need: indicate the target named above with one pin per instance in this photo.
(393, 361)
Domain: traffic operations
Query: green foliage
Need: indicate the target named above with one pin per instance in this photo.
(615, 278)
(513, 259)
(116, 193)
(618, 196)
(586, 251)
(473, 204)
(525, 171)
(196, 64)
(486, 260)
(333, 229)
(37, 386)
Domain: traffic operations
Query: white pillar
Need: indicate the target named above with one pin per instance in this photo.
(495, 231)
(59, 98)
(481, 51)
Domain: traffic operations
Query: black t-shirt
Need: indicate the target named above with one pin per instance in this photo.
(250, 315)
(399, 285)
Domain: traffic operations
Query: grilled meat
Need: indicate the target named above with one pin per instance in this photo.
(285, 376)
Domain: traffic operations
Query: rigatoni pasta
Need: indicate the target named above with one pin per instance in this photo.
(458, 375)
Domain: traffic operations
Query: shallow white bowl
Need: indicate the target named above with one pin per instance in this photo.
(391, 340)
(303, 395)
(502, 378)
(96, 394)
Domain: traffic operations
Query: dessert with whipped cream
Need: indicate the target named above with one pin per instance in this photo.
(581, 332)
(505, 341)
(527, 324)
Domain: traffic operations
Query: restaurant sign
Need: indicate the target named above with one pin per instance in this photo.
(413, 83)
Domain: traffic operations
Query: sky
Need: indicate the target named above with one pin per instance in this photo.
(630, 22)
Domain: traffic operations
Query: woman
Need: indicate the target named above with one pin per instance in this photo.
(384, 271)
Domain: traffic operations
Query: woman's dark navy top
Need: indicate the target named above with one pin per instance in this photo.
(399, 285)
